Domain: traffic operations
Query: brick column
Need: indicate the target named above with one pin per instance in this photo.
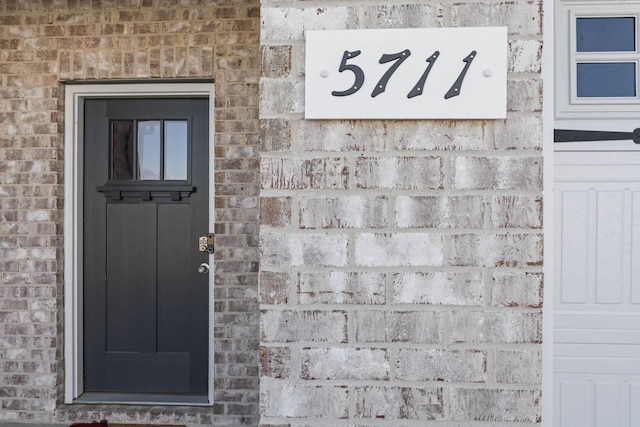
(401, 261)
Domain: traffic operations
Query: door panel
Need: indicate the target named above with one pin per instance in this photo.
(145, 304)
(171, 297)
(131, 276)
(597, 315)
(598, 402)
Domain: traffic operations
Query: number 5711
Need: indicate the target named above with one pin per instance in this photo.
(398, 59)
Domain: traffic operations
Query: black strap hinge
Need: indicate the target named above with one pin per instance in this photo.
(565, 135)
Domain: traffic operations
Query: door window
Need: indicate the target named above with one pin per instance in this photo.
(610, 76)
(154, 150)
(597, 61)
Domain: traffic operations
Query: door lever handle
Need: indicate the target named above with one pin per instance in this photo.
(566, 135)
(203, 268)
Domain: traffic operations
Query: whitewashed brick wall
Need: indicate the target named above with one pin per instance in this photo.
(401, 261)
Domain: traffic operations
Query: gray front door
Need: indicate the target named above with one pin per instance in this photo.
(145, 205)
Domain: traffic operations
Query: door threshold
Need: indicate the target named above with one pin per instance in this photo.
(143, 399)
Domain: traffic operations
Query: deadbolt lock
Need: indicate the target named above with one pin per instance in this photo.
(205, 243)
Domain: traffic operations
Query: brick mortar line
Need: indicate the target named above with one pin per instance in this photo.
(393, 152)
(377, 345)
(417, 308)
(354, 383)
(407, 269)
(354, 232)
(266, 193)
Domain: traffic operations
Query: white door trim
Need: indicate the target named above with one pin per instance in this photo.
(73, 143)
(548, 113)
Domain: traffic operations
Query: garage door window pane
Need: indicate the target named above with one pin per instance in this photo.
(606, 34)
(606, 79)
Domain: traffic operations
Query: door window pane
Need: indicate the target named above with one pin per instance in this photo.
(122, 149)
(606, 34)
(149, 149)
(606, 79)
(175, 149)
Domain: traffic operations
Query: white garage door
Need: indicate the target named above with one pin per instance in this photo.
(597, 289)
(597, 215)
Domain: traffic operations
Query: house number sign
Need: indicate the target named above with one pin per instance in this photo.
(424, 73)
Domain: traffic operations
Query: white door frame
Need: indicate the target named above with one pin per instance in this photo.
(548, 96)
(73, 149)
